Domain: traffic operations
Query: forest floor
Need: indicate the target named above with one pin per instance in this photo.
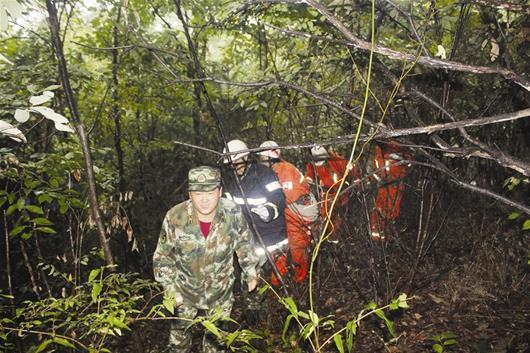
(470, 283)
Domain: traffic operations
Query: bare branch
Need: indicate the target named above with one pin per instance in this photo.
(397, 55)
(502, 5)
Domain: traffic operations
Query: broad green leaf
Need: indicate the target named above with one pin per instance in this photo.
(63, 206)
(34, 209)
(290, 305)
(43, 345)
(211, 327)
(514, 215)
(388, 323)
(526, 224)
(114, 321)
(438, 348)
(96, 290)
(17, 230)
(93, 274)
(11, 209)
(402, 301)
(169, 302)
(338, 343)
(47, 230)
(231, 338)
(41, 221)
(63, 342)
(20, 203)
(44, 198)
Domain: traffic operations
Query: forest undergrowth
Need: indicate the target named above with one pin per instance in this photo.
(468, 286)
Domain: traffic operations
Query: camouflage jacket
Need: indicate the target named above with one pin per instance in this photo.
(198, 269)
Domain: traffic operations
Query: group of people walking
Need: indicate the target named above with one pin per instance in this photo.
(268, 211)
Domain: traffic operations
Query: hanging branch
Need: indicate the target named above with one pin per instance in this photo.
(499, 156)
(510, 6)
(397, 55)
(80, 128)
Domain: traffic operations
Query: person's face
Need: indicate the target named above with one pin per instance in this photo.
(205, 202)
(265, 160)
(240, 166)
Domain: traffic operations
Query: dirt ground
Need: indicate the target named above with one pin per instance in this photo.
(464, 266)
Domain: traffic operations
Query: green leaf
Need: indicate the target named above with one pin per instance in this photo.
(41, 221)
(44, 198)
(338, 343)
(286, 327)
(54, 183)
(438, 348)
(63, 206)
(314, 317)
(96, 290)
(231, 338)
(514, 215)
(35, 209)
(211, 327)
(289, 304)
(93, 274)
(43, 345)
(388, 323)
(11, 209)
(17, 230)
(402, 301)
(526, 224)
(45, 230)
(63, 342)
(169, 302)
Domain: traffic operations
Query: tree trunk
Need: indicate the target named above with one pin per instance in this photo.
(80, 128)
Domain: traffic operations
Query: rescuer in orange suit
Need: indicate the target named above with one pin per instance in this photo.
(389, 169)
(300, 212)
(325, 171)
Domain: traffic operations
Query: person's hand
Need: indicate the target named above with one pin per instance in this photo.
(178, 299)
(262, 212)
(252, 284)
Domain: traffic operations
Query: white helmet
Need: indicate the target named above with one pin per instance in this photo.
(319, 152)
(234, 146)
(272, 153)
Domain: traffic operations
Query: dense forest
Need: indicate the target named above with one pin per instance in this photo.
(106, 104)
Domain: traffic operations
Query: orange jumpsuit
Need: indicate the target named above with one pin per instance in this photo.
(328, 176)
(389, 195)
(295, 188)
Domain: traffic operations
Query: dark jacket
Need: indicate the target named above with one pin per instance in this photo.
(260, 187)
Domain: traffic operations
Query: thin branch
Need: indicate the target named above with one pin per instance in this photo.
(397, 55)
(510, 6)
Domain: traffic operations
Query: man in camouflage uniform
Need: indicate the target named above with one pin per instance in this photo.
(194, 257)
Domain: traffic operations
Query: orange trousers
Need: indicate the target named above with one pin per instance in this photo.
(299, 239)
(387, 206)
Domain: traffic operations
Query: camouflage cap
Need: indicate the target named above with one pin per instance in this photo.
(204, 178)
